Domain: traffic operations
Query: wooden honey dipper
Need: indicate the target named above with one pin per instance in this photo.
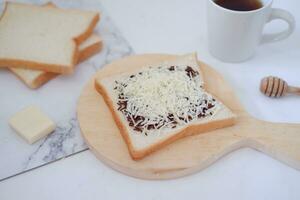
(273, 86)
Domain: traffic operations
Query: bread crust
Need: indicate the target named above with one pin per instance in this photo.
(188, 131)
(42, 79)
(61, 69)
(89, 51)
(47, 76)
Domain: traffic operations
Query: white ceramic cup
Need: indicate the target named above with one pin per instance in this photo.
(234, 35)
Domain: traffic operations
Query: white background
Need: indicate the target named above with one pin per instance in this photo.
(171, 26)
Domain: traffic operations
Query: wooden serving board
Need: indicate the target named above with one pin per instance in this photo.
(188, 155)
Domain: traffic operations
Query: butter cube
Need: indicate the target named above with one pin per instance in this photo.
(31, 124)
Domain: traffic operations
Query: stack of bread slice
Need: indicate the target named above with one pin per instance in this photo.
(40, 42)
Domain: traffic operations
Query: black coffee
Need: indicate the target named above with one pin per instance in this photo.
(240, 5)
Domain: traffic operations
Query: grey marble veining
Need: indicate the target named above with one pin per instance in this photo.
(57, 98)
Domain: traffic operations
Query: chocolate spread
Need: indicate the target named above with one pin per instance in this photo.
(138, 122)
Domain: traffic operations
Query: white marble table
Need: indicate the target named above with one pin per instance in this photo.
(178, 27)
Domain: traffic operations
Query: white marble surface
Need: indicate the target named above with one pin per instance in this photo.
(175, 26)
(57, 98)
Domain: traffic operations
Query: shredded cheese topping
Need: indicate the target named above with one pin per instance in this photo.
(163, 97)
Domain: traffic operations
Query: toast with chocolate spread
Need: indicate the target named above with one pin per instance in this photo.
(161, 103)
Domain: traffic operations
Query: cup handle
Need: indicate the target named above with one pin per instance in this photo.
(277, 13)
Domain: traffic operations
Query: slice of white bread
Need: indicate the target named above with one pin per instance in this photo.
(42, 37)
(36, 78)
(140, 144)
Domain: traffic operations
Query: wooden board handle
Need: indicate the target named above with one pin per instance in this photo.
(279, 140)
